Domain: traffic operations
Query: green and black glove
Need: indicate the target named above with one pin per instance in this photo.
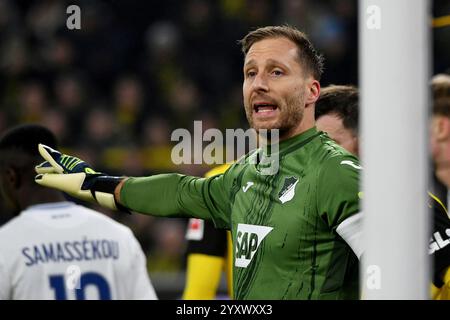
(74, 176)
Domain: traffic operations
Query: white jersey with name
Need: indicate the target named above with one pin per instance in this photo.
(64, 251)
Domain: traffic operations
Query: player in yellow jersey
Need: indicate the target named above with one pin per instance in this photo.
(440, 145)
(209, 254)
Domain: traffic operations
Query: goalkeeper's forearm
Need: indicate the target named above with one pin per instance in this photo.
(160, 195)
(164, 195)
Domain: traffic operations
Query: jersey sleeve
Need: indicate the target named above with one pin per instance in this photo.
(140, 287)
(176, 195)
(338, 189)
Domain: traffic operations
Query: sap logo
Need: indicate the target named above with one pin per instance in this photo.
(248, 239)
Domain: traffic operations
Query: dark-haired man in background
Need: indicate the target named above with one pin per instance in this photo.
(337, 114)
(56, 249)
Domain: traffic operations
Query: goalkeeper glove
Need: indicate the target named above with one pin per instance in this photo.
(74, 176)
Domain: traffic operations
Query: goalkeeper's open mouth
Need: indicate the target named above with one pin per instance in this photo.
(265, 110)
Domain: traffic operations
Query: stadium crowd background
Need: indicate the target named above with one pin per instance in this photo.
(115, 90)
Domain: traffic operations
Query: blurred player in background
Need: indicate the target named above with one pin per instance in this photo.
(440, 149)
(337, 114)
(56, 249)
(209, 254)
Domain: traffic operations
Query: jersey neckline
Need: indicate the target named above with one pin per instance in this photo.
(293, 143)
(48, 206)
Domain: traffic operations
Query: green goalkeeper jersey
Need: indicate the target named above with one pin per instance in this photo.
(283, 225)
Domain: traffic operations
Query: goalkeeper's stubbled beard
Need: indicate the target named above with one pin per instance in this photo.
(287, 118)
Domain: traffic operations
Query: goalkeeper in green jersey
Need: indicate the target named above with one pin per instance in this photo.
(293, 230)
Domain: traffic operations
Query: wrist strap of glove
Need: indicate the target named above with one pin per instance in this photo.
(102, 189)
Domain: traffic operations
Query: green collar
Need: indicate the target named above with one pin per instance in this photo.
(295, 142)
(269, 157)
